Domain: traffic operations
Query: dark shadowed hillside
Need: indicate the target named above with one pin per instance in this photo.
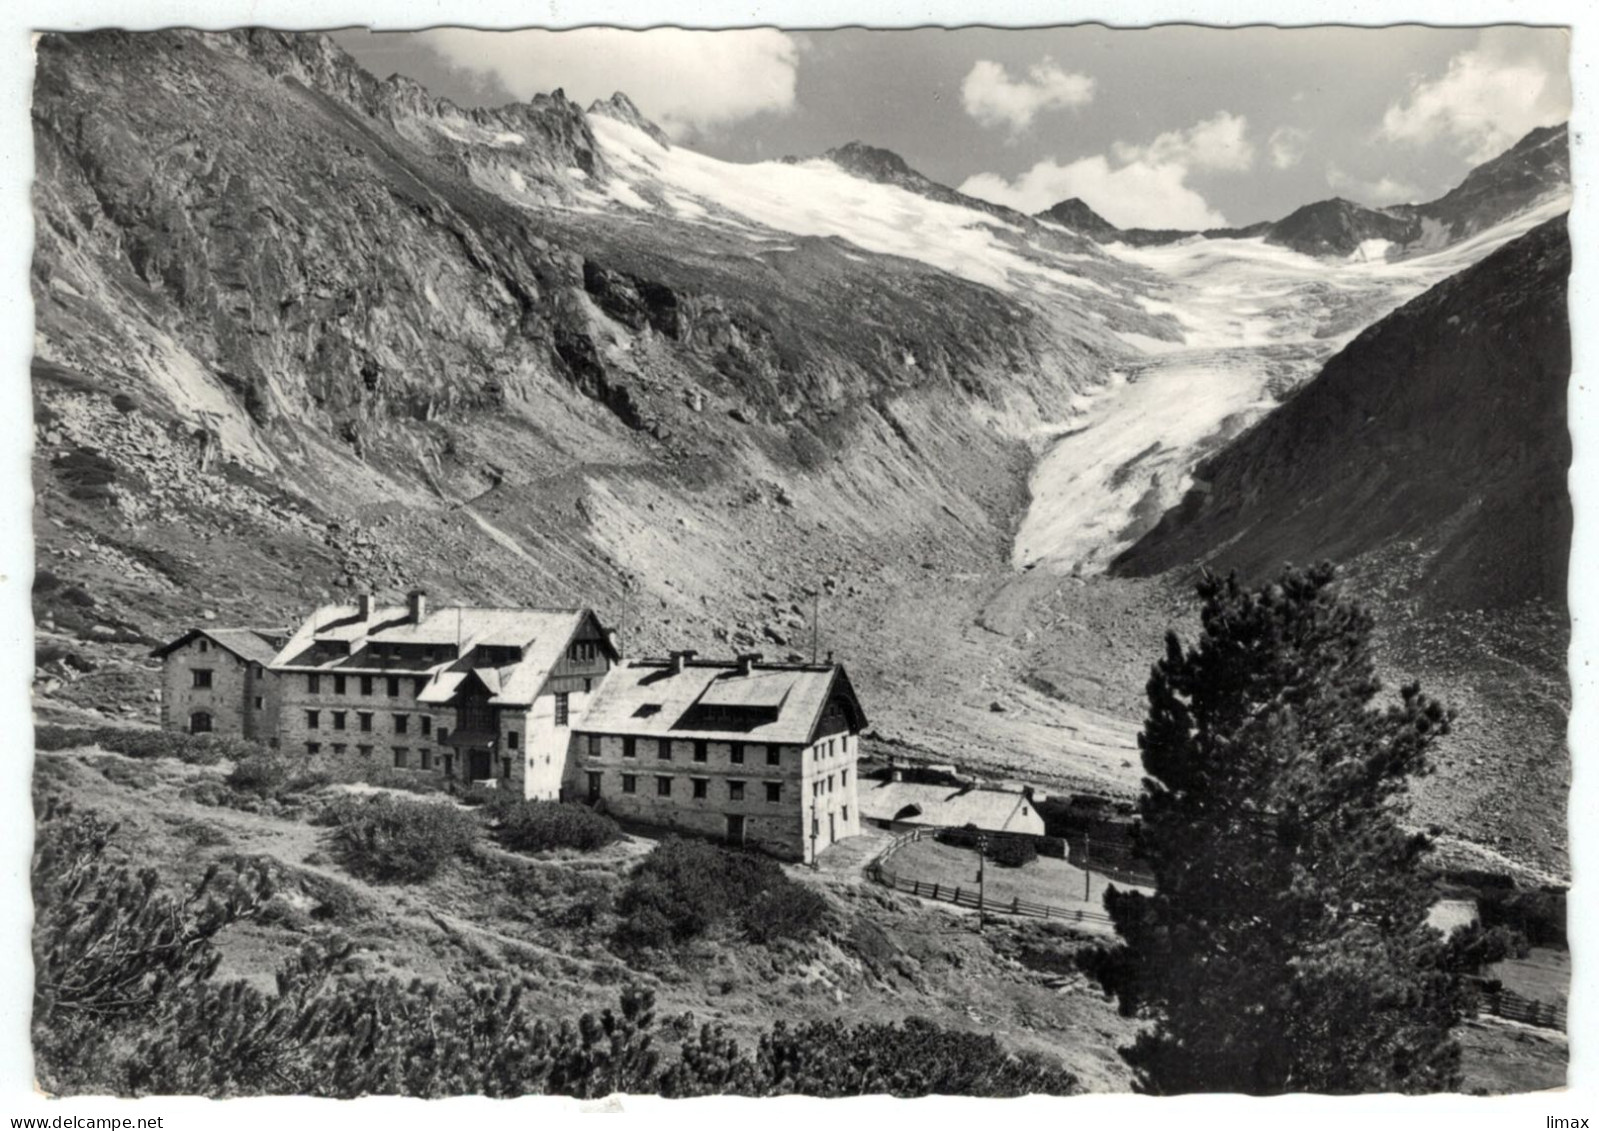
(1441, 429)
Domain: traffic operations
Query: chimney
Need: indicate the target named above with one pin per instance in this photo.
(363, 606)
(746, 661)
(680, 660)
(416, 605)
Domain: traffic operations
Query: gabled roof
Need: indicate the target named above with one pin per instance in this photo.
(949, 806)
(252, 645)
(773, 703)
(542, 634)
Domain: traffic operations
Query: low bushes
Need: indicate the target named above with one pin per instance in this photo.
(259, 773)
(1012, 851)
(685, 888)
(388, 838)
(134, 742)
(536, 826)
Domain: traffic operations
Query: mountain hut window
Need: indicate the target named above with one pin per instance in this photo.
(313, 748)
(366, 685)
(427, 725)
(663, 749)
(735, 753)
(364, 751)
(629, 783)
(663, 787)
(313, 684)
(701, 788)
(629, 747)
(774, 755)
(313, 720)
(205, 645)
(774, 792)
(402, 724)
(562, 709)
(339, 684)
(202, 677)
(200, 722)
(513, 740)
(735, 791)
(402, 757)
(338, 720)
(366, 721)
(394, 687)
(701, 750)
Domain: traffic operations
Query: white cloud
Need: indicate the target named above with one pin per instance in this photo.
(992, 97)
(1145, 186)
(1383, 190)
(1287, 146)
(1487, 99)
(1216, 143)
(688, 81)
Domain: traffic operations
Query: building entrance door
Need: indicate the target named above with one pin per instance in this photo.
(479, 763)
(735, 830)
(594, 787)
(832, 828)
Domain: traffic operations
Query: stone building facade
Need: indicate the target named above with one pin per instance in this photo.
(221, 680)
(463, 694)
(539, 702)
(758, 754)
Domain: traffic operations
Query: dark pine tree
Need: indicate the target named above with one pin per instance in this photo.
(1286, 947)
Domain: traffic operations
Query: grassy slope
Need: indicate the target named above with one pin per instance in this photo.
(492, 916)
(497, 915)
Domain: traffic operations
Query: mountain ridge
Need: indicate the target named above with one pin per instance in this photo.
(1511, 181)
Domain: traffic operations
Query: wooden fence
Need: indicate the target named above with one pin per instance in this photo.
(1512, 1006)
(968, 895)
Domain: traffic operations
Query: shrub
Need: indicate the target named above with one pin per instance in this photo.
(537, 826)
(389, 839)
(791, 911)
(139, 742)
(917, 1058)
(687, 887)
(1012, 851)
(259, 773)
(959, 838)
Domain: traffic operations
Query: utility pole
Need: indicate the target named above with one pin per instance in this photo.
(982, 852)
(816, 612)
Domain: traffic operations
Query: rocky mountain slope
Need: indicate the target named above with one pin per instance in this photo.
(1536, 166)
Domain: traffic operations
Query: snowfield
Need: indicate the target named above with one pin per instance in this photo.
(817, 198)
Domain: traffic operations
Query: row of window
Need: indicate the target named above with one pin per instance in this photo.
(401, 724)
(736, 751)
(699, 788)
(819, 786)
(662, 748)
(366, 683)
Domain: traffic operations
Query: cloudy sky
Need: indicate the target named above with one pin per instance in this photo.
(1169, 127)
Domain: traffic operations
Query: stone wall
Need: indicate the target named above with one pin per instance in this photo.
(236, 686)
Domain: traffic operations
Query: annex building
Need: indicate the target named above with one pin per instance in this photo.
(764, 754)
